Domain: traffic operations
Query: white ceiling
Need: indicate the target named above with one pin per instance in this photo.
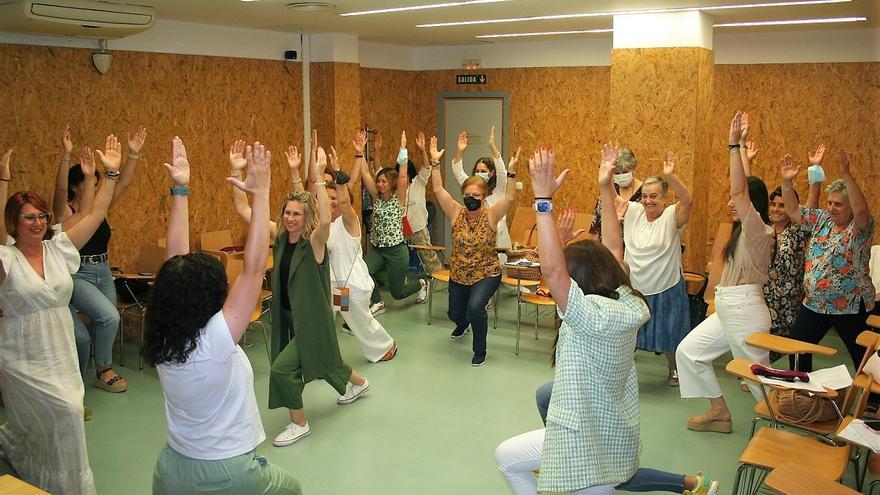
(400, 27)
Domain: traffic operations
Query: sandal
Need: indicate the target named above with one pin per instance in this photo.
(115, 384)
(390, 354)
(704, 423)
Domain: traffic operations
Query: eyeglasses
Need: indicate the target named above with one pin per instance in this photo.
(31, 218)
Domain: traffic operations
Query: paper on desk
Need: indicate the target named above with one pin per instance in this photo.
(859, 433)
(832, 378)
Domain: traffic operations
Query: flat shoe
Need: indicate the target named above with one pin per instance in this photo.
(702, 423)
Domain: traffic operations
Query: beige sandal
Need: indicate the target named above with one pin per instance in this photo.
(703, 423)
(115, 384)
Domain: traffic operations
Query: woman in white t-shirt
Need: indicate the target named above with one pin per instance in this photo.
(193, 324)
(652, 234)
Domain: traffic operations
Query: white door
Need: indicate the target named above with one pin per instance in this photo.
(475, 115)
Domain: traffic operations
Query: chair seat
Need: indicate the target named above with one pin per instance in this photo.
(825, 429)
(441, 275)
(861, 380)
(537, 300)
(785, 345)
(522, 283)
(793, 479)
(771, 448)
(265, 295)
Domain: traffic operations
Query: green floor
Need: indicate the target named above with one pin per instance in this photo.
(430, 423)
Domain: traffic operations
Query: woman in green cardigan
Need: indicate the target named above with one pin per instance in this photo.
(304, 345)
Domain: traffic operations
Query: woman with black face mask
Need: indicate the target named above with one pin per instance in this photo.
(474, 271)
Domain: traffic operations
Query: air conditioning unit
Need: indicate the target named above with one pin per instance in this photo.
(85, 18)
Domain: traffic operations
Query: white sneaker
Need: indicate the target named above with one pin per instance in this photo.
(353, 392)
(423, 292)
(291, 434)
(378, 308)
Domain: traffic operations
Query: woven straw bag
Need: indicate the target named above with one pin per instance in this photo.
(519, 253)
(801, 407)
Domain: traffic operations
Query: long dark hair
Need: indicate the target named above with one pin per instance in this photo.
(761, 202)
(596, 271)
(189, 290)
(75, 176)
(489, 162)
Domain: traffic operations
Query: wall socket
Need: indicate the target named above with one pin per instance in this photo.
(519, 186)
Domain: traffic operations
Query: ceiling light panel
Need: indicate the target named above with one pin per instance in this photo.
(421, 7)
(793, 22)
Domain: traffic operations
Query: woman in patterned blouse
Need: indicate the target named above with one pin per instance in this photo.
(388, 191)
(837, 282)
(474, 270)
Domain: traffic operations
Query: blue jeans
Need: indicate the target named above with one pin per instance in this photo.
(645, 479)
(467, 307)
(94, 295)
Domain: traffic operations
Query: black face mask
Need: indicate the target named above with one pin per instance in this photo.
(472, 204)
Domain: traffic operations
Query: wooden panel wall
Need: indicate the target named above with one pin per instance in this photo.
(207, 101)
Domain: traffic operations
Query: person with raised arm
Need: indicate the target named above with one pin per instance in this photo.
(740, 309)
(347, 267)
(626, 186)
(417, 211)
(94, 292)
(838, 290)
(388, 191)
(303, 343)
(43, 437)
(591, 441)
(194, 321)
(474, 270)
(490, 168)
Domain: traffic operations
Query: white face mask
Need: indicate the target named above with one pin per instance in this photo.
(624, 179)
(484, 175)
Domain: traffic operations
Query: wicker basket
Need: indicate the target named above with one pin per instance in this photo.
(524, 272)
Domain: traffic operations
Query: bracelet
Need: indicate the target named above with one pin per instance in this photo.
(787, 188)
(731, 147)
(548, 198)
(4, 180)
(322, 183)
(512, 175)
(112, 175)
(435, 163)
(296, 181)
(133, 156)
(358, 156)
(236, 174)
(180, 190)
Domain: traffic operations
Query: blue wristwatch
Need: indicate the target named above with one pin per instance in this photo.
(543, 206)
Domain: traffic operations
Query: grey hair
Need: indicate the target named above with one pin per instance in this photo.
(838, 186)
(656, 179)
(626, 160)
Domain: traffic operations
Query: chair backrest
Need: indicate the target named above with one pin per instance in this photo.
(215, 240)
(222, 257)
(150, 258)
(522, 226)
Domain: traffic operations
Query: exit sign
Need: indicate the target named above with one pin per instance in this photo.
(471, 79)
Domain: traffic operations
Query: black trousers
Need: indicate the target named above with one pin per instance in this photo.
(810, 326)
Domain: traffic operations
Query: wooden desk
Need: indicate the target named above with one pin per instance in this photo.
(793, 479)
(10, 485)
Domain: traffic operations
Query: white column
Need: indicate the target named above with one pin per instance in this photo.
(670, 30)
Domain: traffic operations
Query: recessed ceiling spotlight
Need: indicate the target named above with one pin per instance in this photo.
(311, 6)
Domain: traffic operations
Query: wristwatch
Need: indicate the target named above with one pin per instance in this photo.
(543, 206)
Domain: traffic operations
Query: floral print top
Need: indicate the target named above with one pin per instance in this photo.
(836, 274)
(596, 224)
(473, 249)
(387, 226)
(784, 289)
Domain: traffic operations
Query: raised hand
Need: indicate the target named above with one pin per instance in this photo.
(492, 146)
(87, 162)
(542, 169)
(136, 143)
(359, 141)
(788, 168)
(669, 164)
(462, 141)
(66, 140)
(321, 162)
(294, 159)
(236, 157)
(258, 159)
(420, 141)
(178, 169)
(333, 158)
(111, 157)
(843, 161)
(816, 156)
(751, 150)
(735, 128)
(565, 224)
(511, 165)
(435, 154)
(403, 140)
(608, 164)
(744, 128)
(377, 141)
(5, 173)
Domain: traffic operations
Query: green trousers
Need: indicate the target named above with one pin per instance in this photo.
(248, 473)
(396, 260)
(286, 383)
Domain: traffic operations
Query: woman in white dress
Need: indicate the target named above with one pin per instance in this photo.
(44, 436)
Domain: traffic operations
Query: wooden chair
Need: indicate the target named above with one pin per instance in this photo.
(234, 267)
(151, 257)
(770, 448)
(539, 302)
(522, 227)
(10, 485)
(221, 256)
(441, 275)
(215, 240)
(793, 479)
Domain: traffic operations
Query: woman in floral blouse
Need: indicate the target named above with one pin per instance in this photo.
(837, 282)
(474, 270)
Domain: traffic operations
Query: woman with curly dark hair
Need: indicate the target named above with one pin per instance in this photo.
(193, 324)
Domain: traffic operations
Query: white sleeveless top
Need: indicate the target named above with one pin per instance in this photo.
(346, 256)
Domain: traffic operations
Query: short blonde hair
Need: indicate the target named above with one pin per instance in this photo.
(475, 180)
(626, 160)
(838, 186)
(310, 210)
(656, 179)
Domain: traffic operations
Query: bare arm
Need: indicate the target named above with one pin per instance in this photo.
(350, 220)
(322, 233)
(500, 208)
(5, 177)
(135, 144)
(238, 162)
(457, 166)
(294, 159)
(60, 208)
(423, 151)
(87, 201)
(111, 157)
(553, 266)
(789, 173)
(367, 176)
(739, 187)
(815, 159)
(685, 201)
(244, 293)
(402, 175)
(612, 238)
(861, 213)
(496, 153)
(177, 238)
(450, 207)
